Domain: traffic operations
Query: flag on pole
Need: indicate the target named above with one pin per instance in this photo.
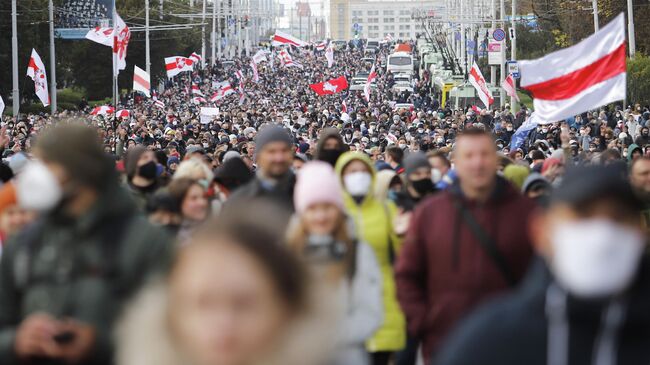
(478, 81)
(371, 78)
(198, 100)
(242, 96)
(521, 133)
(329, 54)
(320, 46)
(36, 71)
(141, 81)
(281, 38)
(196, 90)
(159, 104)
(256, 76)
(240, 76)
(287, 60)
(2, 107)
(102, 110)
(330, 87)
(177, 64)
(224, 89)
(101, 35)
(121, 36)
(344, 107)
(509, 86)
(122, 113)
(579, 78)
(260, 56)
(196, 58)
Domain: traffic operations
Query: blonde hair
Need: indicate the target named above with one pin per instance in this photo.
(194, 169)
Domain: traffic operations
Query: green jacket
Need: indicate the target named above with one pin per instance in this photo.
(373, 219)
(83, 269)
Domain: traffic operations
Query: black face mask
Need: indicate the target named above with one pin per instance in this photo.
(423, 186)
(148, 170)
(329, 156)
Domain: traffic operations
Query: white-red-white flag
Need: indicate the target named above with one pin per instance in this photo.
(368, 86)
(287, 60)
(260, 56)
(121, 36)
(579, 78)
(281, 38)
(177, 64)
(141, 81)
(344, 107)
(320, 46)
(36, 71)
(509, 86)
(224, 89)
(329, 54)
(199, 100)
(101, 35)
(102, 110)
(122, 113)
(478, 81)
(196, 90)
(196, 58)
(2, 107)
(159, 104)
(242, 95)
(256, 76)
(240, 76)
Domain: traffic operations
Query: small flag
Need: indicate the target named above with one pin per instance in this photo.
(367, 87)
(281, 38)
(159, 104)
(196, 57)
(2, 106)
(121, 36)
(198, 100)
(256, 76)
(178, 64)
(101, 35)
(478, 81)
(260, 56)
(344, 107)
(36, 71)
(196, 90)
(509, 86)
(141, 81)
(102, 110)
(122, 113)
(329, 54)
(330, 87)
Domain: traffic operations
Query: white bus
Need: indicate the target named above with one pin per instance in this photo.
(400, 62)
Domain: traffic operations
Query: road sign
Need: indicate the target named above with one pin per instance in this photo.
(495, 56)
(513, 68)
(355, 26)
(499, 34)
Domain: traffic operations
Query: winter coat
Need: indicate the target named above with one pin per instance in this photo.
(84, 269)
(443, 272)
(281, 193)
(515, 328)
(373, 219)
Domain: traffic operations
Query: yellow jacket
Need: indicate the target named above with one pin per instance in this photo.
(373, 220)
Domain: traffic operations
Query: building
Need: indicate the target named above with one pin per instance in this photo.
(374, 19)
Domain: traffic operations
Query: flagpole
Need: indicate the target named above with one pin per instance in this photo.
(502, 73)
(630, 28)
(214, 32)
(52, 60)
(115, 87)
(14, 59)
(513, 42)
(594, 4)
(203, 36)
(146, 36)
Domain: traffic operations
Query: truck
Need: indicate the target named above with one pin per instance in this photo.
(401, 60)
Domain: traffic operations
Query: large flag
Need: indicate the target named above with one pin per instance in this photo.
(260, 56)
(122, 113)
(579, 78)
(281, 38)
(287, 60)
(101, 35)
(224, 89)
(330, 87)
(366, 88)
(102, 110)
(522, 132)
(177, 64)
(478, 81)
(141, 81)
(329, 54)
(256, 76)
(509, 86)
(121, 36)
(196, 90)
(36, 71)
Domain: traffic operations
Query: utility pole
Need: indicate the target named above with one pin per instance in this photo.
(513, 43)
(14, 59)
(160, 9)
(493, 68)
(218, 3)
(463, 42)
(502, 71)
(238, 26)
(594, 3)
(203, 36)
(52, 60)
(214, 32)
(630, 28)
(147, 62)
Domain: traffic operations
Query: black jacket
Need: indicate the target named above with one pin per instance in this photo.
(514, 328)
(282, 193)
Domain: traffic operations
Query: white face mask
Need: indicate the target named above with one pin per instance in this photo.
(37, 188)
(596, 257)
(436, 176)
(357, 183)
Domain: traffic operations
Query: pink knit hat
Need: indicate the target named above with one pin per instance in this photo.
(317, 183)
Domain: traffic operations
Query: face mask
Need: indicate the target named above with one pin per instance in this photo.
(402, 146)
(37, 188)
(148, 170)
(420, 131)
(329, 156)
(544, 130)
(500, 146)
(436, 176)
(374, 139)
(357, 183)
(205, 183)
(595, 257)
(509, 129)
(423, 186)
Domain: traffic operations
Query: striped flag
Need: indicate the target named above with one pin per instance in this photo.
(159, 104)
(329, 55)
(281, 38)
(36, 71)
(102, 110)
(122, 113)
(509, 86)
(287, 60)
(141, 81)
(198, 100)
(320, 46)
(478, 81)
(240, 76)
(579, 78)
(344, 107)
(177, 64)
(196, 58)
(196, 90)
(256, 76)
(366, 88)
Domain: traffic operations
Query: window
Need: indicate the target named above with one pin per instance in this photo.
(357, 12)
(404, 35)
(404, 20)
(373, 12)
(373, 35)
(400, 61)
(404, 12)
(373, 20)
(404, 27)
(389, 20)
(389, 27)
(389, 12)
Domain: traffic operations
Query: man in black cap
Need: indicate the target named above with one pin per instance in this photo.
(419, 185)
(274, 178)
(585, 301)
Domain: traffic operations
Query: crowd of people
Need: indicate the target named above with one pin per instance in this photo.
(293, 228)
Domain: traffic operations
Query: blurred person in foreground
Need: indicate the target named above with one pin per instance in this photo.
(640, 180)
(373, 219)
(235, 295)
(585, 301)
(321, 234)
(464, 245)
(64, 279)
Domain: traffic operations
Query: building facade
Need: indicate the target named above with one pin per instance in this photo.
(374, 19)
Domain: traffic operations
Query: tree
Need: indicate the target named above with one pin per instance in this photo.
(638, 80)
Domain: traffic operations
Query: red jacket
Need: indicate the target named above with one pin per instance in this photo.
(443, 272)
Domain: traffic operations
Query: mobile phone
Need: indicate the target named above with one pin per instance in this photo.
(64, 338)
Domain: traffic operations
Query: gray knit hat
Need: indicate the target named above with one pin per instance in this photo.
(414, 161)
(270, 134)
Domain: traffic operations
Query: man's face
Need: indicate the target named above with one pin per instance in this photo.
(275, 159)
(476, 161)
(439, 164)
(640, 177)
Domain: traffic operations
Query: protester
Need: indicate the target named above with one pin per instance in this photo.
(322, 235)
(463, 245)
(330, 146)
(585, 300)
(84, 257)
(189, 196)
(373, 219)
(141, 174)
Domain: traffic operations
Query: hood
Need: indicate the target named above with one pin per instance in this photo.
(383, 179)
(326, 134)
(344, 160)
(631, 149)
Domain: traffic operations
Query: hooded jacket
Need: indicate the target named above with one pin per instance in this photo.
(633, 147)
(326, 134)
(443, 272)
(373, 219)
(515, 328)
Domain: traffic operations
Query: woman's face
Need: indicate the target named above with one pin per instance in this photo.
(321, 218)
(195, 204)
(224, 308)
